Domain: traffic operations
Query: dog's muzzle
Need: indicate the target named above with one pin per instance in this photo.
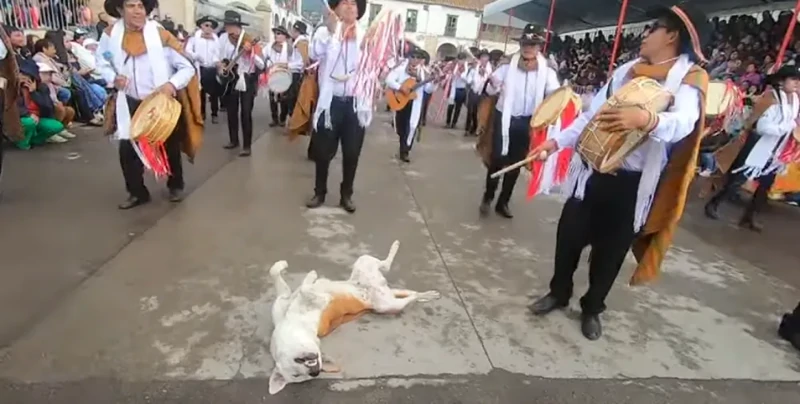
(314, 367)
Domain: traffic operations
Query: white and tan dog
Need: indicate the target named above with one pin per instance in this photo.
(319, 305)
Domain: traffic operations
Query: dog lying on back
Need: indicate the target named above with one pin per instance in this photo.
(319, 305)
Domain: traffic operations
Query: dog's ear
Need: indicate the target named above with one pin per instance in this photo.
(276, 382)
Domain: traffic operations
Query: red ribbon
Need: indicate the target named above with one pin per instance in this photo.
(539, 136)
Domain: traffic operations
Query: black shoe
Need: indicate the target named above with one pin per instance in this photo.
(315, 201)
(273, 124)
(347, 204)
(591, 327)
(485, 206)
(503, 211)
(214, 120)
(133, 202)
(175, 195)
(403, 157)
(245, 153)
(750, 224)
(230, 146)
(546, 305)
(711, 211)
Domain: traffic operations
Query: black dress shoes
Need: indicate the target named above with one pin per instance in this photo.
(245, 153)
(546, 305)
(133, 202)
(347, 204)
(485, 206)
(711, 211)
(175, 195)
(591, 327)
(315, 201)
(503, 211)
(230, 146)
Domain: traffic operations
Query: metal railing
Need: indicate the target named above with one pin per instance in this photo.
(46, 14)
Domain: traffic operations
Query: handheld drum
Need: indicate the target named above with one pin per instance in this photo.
(548, 112)
(604, 151)
(279, 80)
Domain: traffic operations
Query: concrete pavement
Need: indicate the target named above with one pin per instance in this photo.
(181, 313)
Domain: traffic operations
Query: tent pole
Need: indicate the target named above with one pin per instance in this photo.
(786, 38)
(508, 29)
(550, 25)
(618, 36)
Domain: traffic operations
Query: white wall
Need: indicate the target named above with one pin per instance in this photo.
(433, 20)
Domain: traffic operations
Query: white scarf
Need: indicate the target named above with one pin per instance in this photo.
(479, 81)
(155, 58)
(515, 77)
(279, 57)
(363, 105)
(656, 152)
(770, 147)
(452, 96)
(208, 45)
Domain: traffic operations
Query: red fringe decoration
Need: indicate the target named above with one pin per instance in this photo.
(538, 136)
(155, 155)
(564, 157)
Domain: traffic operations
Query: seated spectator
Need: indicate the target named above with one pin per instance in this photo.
(18, 41)
(63, 113)
(37, 110)
(45, 53)
(751, 76)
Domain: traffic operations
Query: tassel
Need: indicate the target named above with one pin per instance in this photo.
(240, 84)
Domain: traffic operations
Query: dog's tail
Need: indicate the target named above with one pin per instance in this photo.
(276, 272)
(386, 264)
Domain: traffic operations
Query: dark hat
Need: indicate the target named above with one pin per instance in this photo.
(483, 52)
(280, 30)
(785, 72)
(462, 55)
(233, 18)
(416, 52)
(29, 68)
(696, 32)
(205, 19)
(531, 35)
(361, 4)
(496, 54)
(112, 7)
(449, 58)
(300, 27)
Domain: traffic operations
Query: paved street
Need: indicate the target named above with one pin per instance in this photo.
(171, 303)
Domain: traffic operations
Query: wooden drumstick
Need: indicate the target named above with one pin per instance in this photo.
(542, 156)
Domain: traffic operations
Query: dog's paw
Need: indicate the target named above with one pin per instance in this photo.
(429, 296)
(310, 278)
(278, 268)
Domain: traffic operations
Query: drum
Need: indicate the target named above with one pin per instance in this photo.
(551, 107)
(720, 98)
(156, 118)
(279, 80)
(604, 151)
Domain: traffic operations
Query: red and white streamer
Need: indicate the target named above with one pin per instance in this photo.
(552, 172)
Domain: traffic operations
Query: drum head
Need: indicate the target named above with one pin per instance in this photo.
(279, 81)
(156, 117)
(718, 98)
(551, 107)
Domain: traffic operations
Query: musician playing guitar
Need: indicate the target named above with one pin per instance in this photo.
(239, 100)
(408, 79)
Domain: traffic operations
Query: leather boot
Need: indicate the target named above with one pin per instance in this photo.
(502, 210)
(315, 201)
(545, 305)
(133, 202)
(591, 327)
(347, 204)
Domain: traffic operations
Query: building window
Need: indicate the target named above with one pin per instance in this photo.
(374, 10)
(452, 24)
(411, 21)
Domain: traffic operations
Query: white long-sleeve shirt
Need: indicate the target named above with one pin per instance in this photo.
(277, 57)
(674, 124)
(773, 123)
(399, 75)
(141, 81)
(524, 92)
(475, 80)
(204, 51)
(460, 81)
(248, 63)
(344, 67)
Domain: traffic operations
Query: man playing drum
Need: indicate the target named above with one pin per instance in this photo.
(336, 117)
(278, 56)
(407, 119)
(767, 130)
(148, 59)
(477, 76)
(239, 100)
(522, 85)
(204, 49)
(638, 205)
(298, 62)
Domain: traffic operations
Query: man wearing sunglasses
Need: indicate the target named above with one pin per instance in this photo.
(204, 49)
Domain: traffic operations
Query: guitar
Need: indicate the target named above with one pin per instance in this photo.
(397, 100)
(229, 73)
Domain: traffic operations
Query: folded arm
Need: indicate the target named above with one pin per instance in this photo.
(496, 80)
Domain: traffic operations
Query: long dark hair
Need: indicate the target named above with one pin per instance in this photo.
(57, 39)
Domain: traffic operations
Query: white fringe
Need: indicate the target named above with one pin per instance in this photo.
(651, 174)
(577, 176)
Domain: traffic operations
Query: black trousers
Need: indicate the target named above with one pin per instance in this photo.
(133, 168)
(241, 102)
(604, 220)
(278, 107)
(473, 99)
(426, 100)
(454, 109)
(402, 127)
(793, 322)
(346, 130)
(733, 182)
(210, 90)
(518, 143)
(293, 93)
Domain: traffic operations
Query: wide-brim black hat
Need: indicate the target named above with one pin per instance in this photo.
(205, 19)
(112, 7)
(233, 18)
(697, 29)
(417, 53)
(300, 27)
(280, 30)
(361, 4)
(785, 72)
(483, 52)
(531, 35)
(496, 54)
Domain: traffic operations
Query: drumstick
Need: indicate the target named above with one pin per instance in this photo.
(519, 164)
(110, 59)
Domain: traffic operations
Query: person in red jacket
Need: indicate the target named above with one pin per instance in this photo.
(37, 110)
